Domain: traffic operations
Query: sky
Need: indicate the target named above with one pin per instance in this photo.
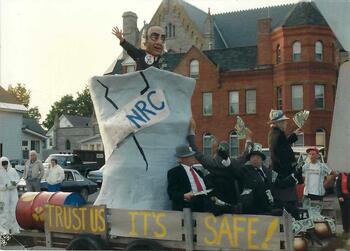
(55, 46)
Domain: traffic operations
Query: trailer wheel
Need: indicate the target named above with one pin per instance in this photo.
(143, 245)
(87, 242)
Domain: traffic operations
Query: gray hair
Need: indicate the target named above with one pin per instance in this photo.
(33, 152)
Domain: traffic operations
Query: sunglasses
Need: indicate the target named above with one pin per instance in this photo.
(4, 163)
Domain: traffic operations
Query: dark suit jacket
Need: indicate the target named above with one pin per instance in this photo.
(283, 162)
(178, 185)
(253, 180)
(139, 56)
(224, 180)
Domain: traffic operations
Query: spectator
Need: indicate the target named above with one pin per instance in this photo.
(154, 43)
(342, 186)
(184, 182)
(8, 197)
(54, 176)
(315, 173)
(33, 172)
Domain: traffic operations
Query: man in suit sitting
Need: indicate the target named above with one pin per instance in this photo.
(184, 182)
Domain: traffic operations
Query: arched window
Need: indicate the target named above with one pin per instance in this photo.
(300, 141)
(208, 140)
(319, 51)
(321, 137)
(278, 54)
(194, 69)
(67, 144)
(234, 144)
(333, 53)
(296, 51)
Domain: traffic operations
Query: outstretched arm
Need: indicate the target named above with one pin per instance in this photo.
(130, 49)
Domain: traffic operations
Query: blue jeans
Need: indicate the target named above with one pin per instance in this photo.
(54, 188)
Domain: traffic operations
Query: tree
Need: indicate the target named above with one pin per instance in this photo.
(33, 113)
(21, 92)
(81, 106)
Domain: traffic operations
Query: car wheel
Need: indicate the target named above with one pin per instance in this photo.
(87, 242)
(84, 193)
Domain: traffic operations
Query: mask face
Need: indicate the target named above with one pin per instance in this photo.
(155, 41)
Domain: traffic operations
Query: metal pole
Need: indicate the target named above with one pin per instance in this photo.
(188, 226)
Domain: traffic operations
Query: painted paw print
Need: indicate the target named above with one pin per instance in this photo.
(38, 214)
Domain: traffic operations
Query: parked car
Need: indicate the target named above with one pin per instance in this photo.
(96, 176)
(18, 164)
(72, 161)
(73, 182)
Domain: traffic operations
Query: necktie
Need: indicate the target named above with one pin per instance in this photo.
(261, 174)
(196, 180)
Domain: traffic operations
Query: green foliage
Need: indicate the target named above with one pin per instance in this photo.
(81, 106)
(21, 93)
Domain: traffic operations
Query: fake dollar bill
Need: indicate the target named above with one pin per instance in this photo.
(300, 226)
(300, 118)
(241, 129)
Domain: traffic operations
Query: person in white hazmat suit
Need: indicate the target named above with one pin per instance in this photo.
(8, 197)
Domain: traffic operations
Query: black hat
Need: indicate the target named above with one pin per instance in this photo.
(257, 150)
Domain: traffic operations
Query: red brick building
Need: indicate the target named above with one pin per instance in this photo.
(287, 61)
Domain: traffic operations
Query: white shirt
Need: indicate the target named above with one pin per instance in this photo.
(314, 174)
(190, 177)
(54, 175)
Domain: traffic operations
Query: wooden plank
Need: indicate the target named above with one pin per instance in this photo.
(48, 239)
(288, 231)
(146, 224)
(245, 232)
(188, 225)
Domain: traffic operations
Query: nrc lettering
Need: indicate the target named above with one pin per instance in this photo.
(148, 109)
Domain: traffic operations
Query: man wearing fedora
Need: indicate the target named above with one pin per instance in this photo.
(283, 162)
(257, 184)
(184, 183)
(221, 166)
(316, 175)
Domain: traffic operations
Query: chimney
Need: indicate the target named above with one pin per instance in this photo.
(130, 30)
(264, 41)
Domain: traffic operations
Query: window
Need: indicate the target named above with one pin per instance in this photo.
(279, 97)
(300, 141)
(207, 143)
(320, 137)
(173, 30)
(194, 69)
(319, 97)
(278, 54)
(35, 145)
(296, 51)
(130, 68)
(67, 144)
(25, 143)
(318, 51)
(297, 97)
(251, 101)
(0, 149)
(207, 104)
(234, 102)
(234, 144)
(50, 141)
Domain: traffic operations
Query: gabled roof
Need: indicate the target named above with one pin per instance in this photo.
(305, 14)
(197, 15)
(6, 97)
(33, 125)
(233, 58)
(239, 28)
(78, 121)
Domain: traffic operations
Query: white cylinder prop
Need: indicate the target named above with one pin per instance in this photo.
(142, 117)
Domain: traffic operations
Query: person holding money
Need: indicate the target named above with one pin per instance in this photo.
(154, 43)
(283, 162)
